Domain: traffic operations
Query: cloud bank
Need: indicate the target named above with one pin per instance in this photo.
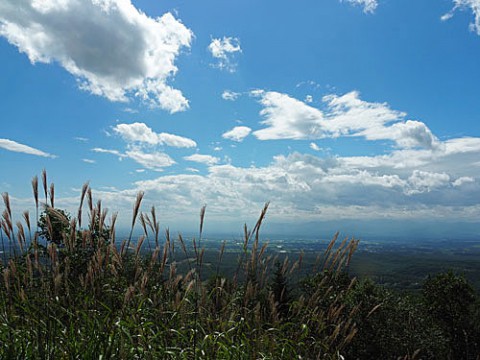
(304, 187)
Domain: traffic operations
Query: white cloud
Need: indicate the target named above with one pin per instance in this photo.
(424, 181)
(369, 6)
(14, 146)
(141, 133)
(155, 160)
(230, 95)
(113, 49)
(309, 99)
(287, 118)
(224, 51)
(473, 5)
(203, 159)
(89, 161)
(409, 134)
(81, 139)
(109, 151)
(314, 146)
(463, 180)
(238, 133)
(130, 110)
(141, 145)
(346, 115)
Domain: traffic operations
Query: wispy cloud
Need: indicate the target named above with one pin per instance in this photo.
(89, 161)
(230, 95)
(224, 51)
(109, 151)
(130, 110)
(14, 146)
(142, 145)
(81, 139)
(238, 133)
(369, 6)
(155, 160)
(473, 5)
(113, 49)
(203, 159)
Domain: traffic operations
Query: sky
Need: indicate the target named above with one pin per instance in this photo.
(357, 112)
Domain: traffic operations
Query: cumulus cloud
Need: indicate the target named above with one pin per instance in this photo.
(14, 146)
(369, 6)
(473, 5)
(347, 115)
(314, 146)
(409, 134)
(141, 133)
(238, 133)
(224, 51)
(113, 49)
(424, 181)
(203, 159)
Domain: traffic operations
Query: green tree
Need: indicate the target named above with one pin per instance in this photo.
(281, 291)
(54, 225)
(450, 299)
(391, 325)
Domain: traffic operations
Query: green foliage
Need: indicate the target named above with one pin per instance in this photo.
(451, 301)
(392, 325)
(281, 291)
(54, 225)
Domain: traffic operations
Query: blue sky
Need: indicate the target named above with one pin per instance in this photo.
(359, 111)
